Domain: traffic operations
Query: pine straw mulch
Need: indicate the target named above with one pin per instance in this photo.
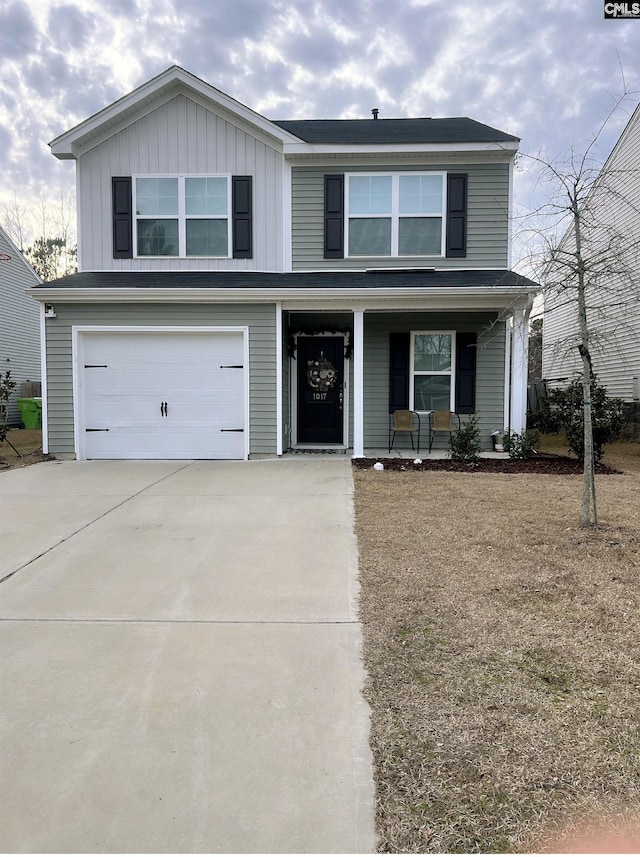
(502, 646)
(541, 463)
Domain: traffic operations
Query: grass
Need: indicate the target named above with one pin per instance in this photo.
(28, 442)
(502, 652)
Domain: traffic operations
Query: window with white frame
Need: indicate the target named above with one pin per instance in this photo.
(395, 214)
(182, 215)
(432, 370)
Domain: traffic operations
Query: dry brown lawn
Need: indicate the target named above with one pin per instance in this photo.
(502, 646)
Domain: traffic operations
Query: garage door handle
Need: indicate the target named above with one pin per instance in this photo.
(96, 429)
(241, 430)
(234, 366)
(164, 409)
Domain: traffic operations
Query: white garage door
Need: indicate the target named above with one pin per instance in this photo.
(162, 394)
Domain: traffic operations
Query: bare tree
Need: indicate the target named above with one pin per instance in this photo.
(44, 231)
(585, 260)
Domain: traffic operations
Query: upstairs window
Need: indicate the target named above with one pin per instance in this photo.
(182, 216)
(395, 214)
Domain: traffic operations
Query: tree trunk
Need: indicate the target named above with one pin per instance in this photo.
(589, 479)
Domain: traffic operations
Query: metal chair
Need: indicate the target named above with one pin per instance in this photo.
(407, 421)
(441, 421)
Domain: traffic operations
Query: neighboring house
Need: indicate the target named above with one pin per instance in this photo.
(614, 316)
(19, 321)
(247, 287)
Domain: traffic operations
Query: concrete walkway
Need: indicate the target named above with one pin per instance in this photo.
(181, 663)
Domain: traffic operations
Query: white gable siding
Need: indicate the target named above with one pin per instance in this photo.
(19, 322)
(180, 136)
(616, 326)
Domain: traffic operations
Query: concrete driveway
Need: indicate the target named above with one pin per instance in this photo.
(181, 659)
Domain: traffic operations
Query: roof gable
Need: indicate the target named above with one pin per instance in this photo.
(149, 96)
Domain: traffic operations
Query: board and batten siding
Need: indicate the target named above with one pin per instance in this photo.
(615, 326)
(489, 371)
(487, 218)
(180, 137)
(19, 323)
(259, 318)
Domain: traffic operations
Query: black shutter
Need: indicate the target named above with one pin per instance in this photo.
(122, 217)
(399, 344)
(241, 216)
(466, 348)
(456, 215)
(334, 217)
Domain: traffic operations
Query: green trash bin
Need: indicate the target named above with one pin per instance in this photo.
(31, 412)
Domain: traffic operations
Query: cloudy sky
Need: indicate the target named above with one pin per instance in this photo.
(546, 71)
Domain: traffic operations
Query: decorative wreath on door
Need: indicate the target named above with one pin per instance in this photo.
(321, 374)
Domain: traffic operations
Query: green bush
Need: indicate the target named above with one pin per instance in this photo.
(465, 444)
(520, 444)
(564, 412)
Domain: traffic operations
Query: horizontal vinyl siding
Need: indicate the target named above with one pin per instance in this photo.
(19, 325)
(489, 371)
(180, 137)
(487, 224)
(260, 318)
(615, 326)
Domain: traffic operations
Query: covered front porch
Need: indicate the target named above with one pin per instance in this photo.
(343, 370)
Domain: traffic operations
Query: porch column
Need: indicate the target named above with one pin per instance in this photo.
(519, 368)
(279, 368)
(358, 387)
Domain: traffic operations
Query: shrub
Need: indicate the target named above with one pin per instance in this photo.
(564, 411)
(465, 444)
(7, 386)
(520, 444)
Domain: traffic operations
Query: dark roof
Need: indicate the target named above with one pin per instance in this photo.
(389, 131)
(378, 279)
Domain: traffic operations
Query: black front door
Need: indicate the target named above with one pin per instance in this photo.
(320, 363)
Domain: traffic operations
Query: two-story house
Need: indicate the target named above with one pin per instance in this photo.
(248, 286)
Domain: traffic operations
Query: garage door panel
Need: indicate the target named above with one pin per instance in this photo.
(163, 395)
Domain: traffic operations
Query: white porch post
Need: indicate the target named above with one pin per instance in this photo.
(358, 386)
(519, 368)
(279, 367)
(507, 375)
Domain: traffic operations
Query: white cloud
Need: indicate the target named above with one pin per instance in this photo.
(544, 71)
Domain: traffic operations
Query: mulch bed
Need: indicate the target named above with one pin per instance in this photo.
(554, 465)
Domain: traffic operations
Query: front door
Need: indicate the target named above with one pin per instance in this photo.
(320, 389)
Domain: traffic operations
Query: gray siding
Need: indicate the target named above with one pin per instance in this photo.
(487, 224)
(489, 370)
(179, 137)
(613, 315)
(19, 323)
(260, 318)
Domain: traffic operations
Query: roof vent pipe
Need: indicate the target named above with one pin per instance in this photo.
(375, 112)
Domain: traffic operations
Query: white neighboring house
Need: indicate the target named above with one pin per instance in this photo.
(615, 324)
(19, 321)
